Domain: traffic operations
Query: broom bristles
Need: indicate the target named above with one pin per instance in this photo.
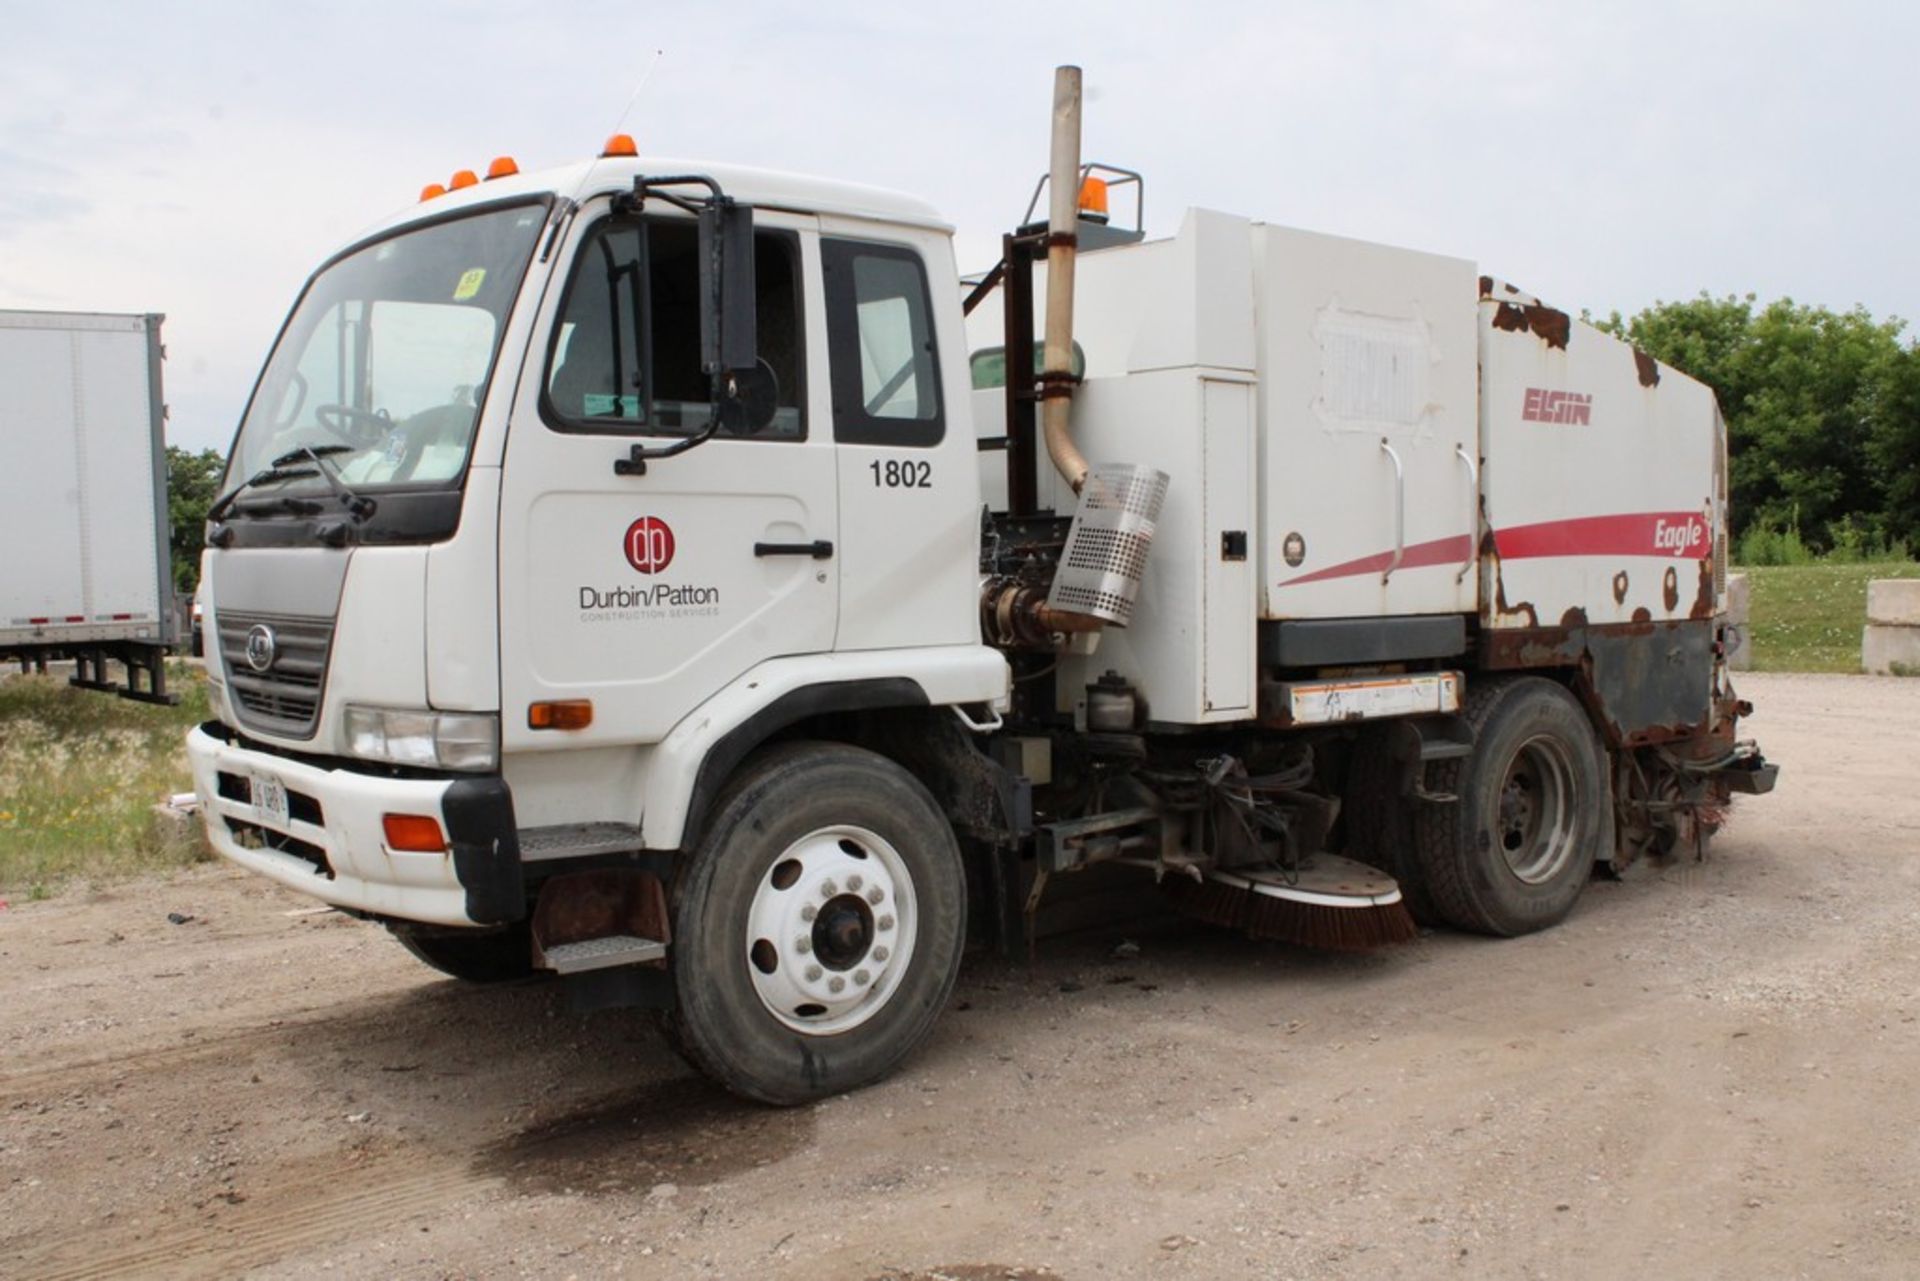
(1230, 901)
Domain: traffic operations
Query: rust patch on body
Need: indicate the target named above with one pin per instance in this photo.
(1504, 613)
(1643, 615)
(1704, 599)
(1486, 286)
(1649, 368)
(1670, 589)
(1550, 325)
(1574, 617)
(1620, 588)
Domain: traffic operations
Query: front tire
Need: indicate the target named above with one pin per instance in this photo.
(818, 925)
(1516, 849)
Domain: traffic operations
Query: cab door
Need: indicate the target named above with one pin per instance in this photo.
(648, 592)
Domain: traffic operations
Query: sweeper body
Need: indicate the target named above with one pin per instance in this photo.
(664, 577)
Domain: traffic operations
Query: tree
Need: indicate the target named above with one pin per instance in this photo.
(1813, 420)
(193, 482)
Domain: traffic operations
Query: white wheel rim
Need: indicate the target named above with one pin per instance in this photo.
(830, 932)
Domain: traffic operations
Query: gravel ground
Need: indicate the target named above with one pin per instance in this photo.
(1706, 1072)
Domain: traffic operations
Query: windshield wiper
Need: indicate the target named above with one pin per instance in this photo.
(282, 468)
(359, 508)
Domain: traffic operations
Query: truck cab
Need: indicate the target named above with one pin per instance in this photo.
(473, 638)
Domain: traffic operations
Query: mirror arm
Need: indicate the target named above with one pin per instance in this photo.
(638, 456)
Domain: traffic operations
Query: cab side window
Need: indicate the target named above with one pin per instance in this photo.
(625, 356)
(880, 346)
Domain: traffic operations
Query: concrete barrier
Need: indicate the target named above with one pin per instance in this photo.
(1739, 603)
(1890, 644)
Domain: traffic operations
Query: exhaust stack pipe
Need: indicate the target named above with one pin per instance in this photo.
(1063, 215)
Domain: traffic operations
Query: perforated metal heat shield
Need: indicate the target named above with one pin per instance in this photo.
(1106, 552)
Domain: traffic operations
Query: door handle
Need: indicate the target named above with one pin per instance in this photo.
(1399, 509)
(819, 549)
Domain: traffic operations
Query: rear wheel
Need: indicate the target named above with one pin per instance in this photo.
(1514, 852)
(497, 956)
(818, 925)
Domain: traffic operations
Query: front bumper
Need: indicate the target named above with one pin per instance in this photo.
(332, 842)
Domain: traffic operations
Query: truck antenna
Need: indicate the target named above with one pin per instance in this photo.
(620, 124)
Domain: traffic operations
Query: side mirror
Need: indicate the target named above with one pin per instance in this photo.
(727, 320)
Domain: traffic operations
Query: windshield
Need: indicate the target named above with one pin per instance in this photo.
(387, 356)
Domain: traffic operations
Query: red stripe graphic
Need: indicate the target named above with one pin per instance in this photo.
(1681, 535)
(1678, 535)
(1441, 551)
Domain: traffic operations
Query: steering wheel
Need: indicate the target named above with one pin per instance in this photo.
(358, 427)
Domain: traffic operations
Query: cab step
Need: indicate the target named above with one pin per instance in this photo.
(577, 840)
(603, 953)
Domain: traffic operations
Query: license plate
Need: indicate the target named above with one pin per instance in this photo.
(269, 799)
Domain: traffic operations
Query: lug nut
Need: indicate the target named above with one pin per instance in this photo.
(828, 889)
(813, 974)
(854, 883)
(874, 896)
(881, 953)
(884, 923)
(862, 977)
(803, 944)
(836, 984)
(807, 912)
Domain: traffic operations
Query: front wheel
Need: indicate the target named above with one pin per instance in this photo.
(1515, 850)
(818, 925)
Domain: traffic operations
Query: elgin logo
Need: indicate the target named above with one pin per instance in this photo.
(649, 545)
(1682, 539)
(1542, 406)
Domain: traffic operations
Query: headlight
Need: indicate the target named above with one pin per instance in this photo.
(432, 740)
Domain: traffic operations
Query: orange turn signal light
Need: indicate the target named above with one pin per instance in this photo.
(621, 144)
(431, 190)
(1093, 196)
(574, 713)
(461, 178)
(502, 167)
(418, 833)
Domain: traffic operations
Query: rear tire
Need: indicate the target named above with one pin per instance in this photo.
(498, 956)
(1513, 854)
(818, 925)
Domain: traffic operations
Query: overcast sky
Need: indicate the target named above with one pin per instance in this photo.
(200, 159)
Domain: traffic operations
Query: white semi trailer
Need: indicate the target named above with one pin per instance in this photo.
(636, 573)
(83, 498)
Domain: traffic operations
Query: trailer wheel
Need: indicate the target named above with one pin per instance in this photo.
(1513, 853)
(818, 925)
(498, 956)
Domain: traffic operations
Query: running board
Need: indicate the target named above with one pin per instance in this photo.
(603, 953)
(577, 840)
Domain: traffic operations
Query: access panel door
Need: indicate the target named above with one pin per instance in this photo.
(1369, 436)
(648, 593)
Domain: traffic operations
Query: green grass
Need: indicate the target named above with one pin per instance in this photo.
(80, 773)
(1807, 618)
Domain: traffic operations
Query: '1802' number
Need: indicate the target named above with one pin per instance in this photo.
(895, 474)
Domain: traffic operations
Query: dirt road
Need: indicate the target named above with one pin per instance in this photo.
(1706, 1072)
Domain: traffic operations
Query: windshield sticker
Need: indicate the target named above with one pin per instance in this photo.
(602, 405)
(470, 283)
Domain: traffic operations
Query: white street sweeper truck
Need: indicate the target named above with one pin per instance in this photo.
(672, 578)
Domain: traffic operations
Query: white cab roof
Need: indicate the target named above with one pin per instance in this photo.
(764, 188)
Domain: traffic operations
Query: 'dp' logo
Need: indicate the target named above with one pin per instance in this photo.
(649, 545)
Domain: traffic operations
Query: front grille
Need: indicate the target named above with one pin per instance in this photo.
(284, 699)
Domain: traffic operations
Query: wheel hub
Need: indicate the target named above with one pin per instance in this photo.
(830, 930)
(1537, 811)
